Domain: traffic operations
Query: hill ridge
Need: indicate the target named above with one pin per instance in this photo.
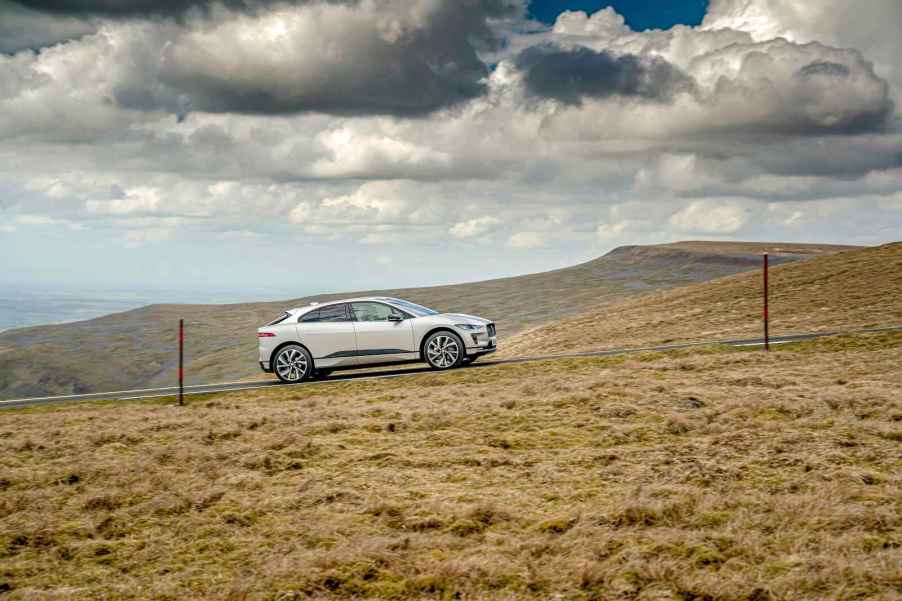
(857, 288)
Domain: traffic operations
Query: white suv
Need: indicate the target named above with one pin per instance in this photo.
(354, 333)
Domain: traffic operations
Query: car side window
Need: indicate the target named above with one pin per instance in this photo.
(332, 313)
(373, 311)
(312, 316)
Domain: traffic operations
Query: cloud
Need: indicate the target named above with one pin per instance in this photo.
(787, 88)
(141, 200)
(354, 154)
(711, 217)
(24, 29)
(526, 240)
(139, 8)
(474, 227)
(418, 123)
(570, 75)
(870, 27)
(380, 208)
(374, 57)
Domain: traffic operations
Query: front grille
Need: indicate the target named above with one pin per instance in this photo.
(491, 329)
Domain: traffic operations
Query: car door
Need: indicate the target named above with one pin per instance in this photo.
(379, 338)
(329, 335)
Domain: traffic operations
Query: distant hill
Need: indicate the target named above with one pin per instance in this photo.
(854, 289)
(135, 349)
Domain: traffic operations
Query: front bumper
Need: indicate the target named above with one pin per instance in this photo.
(480, 344)
(264, 365)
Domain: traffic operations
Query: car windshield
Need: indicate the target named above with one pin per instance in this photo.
(418, 310)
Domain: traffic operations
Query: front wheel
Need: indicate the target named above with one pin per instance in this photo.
(444, 350)
(293, 364)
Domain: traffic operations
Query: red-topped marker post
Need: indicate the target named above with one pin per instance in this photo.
(766, 316)
(181, 362)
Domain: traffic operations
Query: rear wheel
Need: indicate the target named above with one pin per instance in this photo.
(293, 364)
(443, 350)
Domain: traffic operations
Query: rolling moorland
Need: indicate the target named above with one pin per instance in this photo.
(711, 474)
(135, 349)
(855, 289)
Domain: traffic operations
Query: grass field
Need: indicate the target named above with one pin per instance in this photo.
(713, 474)
(135, 349)
(854, 289)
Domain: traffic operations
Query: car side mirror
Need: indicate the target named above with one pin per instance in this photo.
(395, 317)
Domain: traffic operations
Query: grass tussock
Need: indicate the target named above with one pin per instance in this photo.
(718, 474)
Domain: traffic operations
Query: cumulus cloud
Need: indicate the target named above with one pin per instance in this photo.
(870, 27)
(788, 88)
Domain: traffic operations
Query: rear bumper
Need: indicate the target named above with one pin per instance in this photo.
(264, 365)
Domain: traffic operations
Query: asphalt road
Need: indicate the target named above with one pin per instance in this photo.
(149, 393)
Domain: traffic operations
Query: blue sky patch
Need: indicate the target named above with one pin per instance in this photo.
(640, 14)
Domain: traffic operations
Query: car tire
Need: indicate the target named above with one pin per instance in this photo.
(443, 350)
(292, 364)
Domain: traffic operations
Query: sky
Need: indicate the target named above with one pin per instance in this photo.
(638, 14)
(312, 145)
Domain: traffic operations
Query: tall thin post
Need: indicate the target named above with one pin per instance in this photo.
(766, 316)
(181, 362)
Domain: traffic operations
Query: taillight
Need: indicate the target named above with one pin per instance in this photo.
(265, 335)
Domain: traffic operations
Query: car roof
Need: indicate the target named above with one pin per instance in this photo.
(360, 299)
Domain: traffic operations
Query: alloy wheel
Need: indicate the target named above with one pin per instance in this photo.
(291, 365)
(443, 351)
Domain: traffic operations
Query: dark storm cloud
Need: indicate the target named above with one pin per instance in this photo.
(432, 64)
(570, 75)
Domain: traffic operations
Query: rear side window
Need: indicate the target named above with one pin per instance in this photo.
(331, 313)
(279, 319)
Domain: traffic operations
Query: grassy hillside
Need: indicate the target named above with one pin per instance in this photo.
(135, 349)
(720, 474)
(857, 288)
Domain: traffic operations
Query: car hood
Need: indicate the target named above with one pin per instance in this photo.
(462, 318)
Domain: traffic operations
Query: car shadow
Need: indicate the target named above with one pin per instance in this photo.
(389, 372)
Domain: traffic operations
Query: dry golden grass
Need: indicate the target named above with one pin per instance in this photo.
(853, 289)
(705, 475)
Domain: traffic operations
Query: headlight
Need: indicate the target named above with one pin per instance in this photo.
(468, 327)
